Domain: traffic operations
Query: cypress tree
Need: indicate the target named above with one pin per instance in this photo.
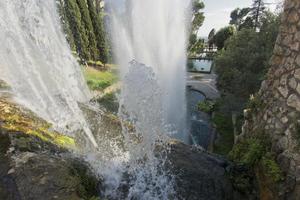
(89, 29)
(79, 35)
(99, 32)
(65, 25)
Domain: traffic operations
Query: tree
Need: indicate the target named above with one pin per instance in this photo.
(65, 24)
(74, 20)
(257, 11)
(239, 17)
(243, 63)
(89, 29)
(99, 32)
(222, 35)
(197, 22)
(198, 16)
(211, 37)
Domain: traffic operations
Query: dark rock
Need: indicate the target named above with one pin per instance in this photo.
(198, 174)
(34, 169)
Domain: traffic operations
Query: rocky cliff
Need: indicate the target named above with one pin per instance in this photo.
(272, 124)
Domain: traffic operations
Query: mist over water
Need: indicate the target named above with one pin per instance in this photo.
(35, 60)
(154, 32)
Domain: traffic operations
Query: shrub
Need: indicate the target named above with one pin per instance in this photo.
(271, 168)
(206, 106)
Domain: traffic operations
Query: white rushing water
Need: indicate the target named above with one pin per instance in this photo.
(154, 32)
(35, 60)
(152, 99)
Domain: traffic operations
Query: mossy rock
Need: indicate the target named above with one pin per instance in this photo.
(36, 162)
(17, 119)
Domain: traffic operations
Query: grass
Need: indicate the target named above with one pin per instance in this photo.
(99, 80)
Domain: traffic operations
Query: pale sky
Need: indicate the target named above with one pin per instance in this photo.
(217, 13)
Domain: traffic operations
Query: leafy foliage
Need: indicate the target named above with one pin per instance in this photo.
(195, 43)
(223, 35)
(206, 106)
(243, 63)
(254, 152)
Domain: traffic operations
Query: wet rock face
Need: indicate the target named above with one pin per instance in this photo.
(199, 175)
(279, 115)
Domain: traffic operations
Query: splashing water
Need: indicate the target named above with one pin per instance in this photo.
(152, 98)
(35, 60)
(154, 32)
(140, 96)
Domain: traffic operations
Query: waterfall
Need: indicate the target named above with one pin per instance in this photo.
(154, 32)
(35, 60)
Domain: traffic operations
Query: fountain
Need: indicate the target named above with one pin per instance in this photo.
(152, 99)
(154, 32)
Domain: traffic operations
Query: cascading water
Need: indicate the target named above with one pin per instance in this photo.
(154, 32)
(35, 60)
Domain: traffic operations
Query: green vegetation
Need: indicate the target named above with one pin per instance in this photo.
(242, 63)
(110, 102)
(196, 43)
(84, 28)
(206, 106)
(224, 127)
(99, 80)
(256, 152)
(255, 103)
(271, 168)
(222, 36)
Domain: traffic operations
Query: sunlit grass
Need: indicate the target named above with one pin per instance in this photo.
(99, 80)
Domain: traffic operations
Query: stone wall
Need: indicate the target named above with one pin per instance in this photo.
(279, 113)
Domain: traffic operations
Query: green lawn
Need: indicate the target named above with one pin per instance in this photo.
(99, 80)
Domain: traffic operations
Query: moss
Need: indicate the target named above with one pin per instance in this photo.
(15, 119)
